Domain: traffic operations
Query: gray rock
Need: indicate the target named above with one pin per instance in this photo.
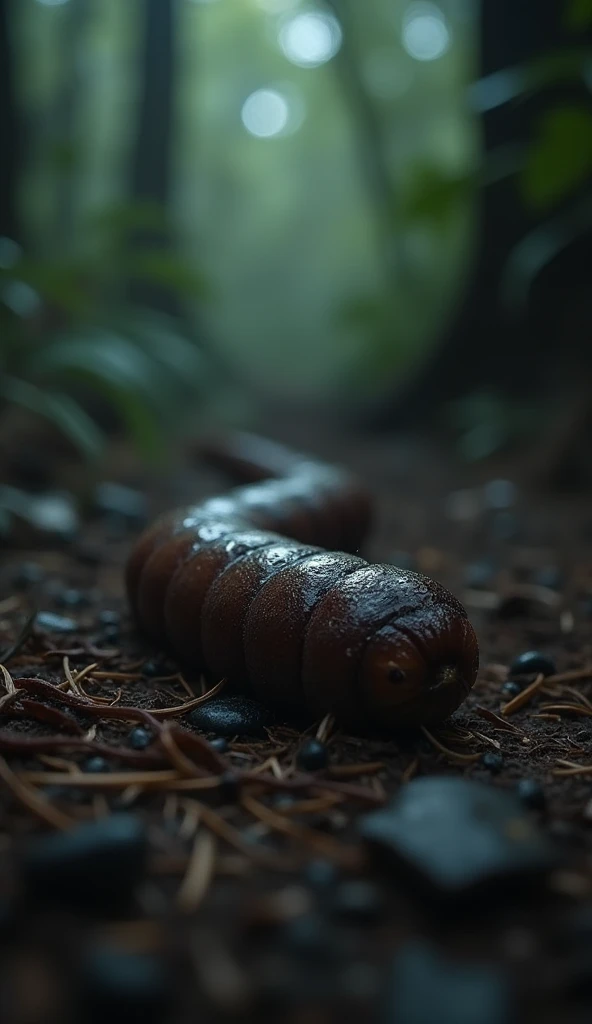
(454, 835)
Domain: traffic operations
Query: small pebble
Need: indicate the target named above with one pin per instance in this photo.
(122, 502)
(312, 756)
(152, 668)
(232, 716)
(72, 598)
(511, 689)
(532, 794)
(54, 514)
(93, 866)
(358, 901)
(533, 663)
(219, 744)
(111, 635)
(96, 764)
(55, 623)
(28, 574)
(500, 494)
(139, 738)
(122, 986)
(480, 575)
(548, 576)
(320, 874)
(492, 761)
(107, 617)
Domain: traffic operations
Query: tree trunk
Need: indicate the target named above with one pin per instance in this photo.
(65, 117)
(152, 156)
(483, 350)
(10, 133)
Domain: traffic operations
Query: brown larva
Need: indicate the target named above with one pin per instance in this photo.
(242, 588)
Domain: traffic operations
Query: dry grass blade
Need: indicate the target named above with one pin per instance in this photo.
(68, 674)
(575, 709)
(352, 771)
(347, 856)
(523, 698)
(183, 765)
(569, 768)
(199, 874)
(498, 722)
(223, 830)
(452, 754)
(181, 709)
(31, 799)
(325, 728)
(572, 676)
(8, 680)
(316, 805)
(411, 770)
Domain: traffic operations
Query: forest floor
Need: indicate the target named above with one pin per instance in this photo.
(259, 901)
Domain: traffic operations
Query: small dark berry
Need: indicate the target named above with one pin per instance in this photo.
(532, 794)
(312, 756)
(511, 689)
(28, 574)
(219, 744)
(109, 618)
(96, 764)
(492, 761)
(139, 738)
(533, 663)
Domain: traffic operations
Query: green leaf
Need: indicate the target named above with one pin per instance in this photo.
(560, 157)
(578, 15)
(164, 268)
(514, 83)
(158, 336)
(60, 409)
(534, 252)
(433, 195)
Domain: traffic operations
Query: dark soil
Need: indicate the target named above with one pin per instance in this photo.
(245, 897)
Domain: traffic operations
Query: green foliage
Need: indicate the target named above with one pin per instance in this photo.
(578, 15)
(69, 331)
(487, 423)
(559, 158)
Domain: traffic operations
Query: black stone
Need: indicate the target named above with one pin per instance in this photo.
(28, 574)
(116, 500)
(119, 986)
(492, 761)
(422, 987)
(94, 867)
(533, 663)
(455, 835)
(219, 744)
(139, 738)
(531, 794)
(96, 764)
(358, 901)
(232, 716)
(312, 756)
(511, 689)
(55, 623)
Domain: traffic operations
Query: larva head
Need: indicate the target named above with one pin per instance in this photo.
(417, 670)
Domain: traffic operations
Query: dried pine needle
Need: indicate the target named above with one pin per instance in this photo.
(199, 874)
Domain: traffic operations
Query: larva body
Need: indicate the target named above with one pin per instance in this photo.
(242, 588)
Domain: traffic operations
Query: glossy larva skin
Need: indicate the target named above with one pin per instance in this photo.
(242, 588)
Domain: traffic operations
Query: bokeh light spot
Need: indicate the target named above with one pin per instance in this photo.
(310, 39)
(265, 113)
(425, 34)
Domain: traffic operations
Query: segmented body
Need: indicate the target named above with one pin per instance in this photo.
(242, 588)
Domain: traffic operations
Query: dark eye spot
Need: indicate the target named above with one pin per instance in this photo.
(396, 674)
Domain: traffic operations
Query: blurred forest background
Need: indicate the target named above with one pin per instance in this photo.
(376, 210)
